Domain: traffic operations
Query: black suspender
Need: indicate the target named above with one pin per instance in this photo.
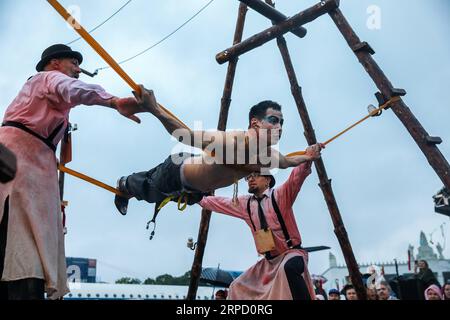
(250, 213)
(279, 216)
(281, 220)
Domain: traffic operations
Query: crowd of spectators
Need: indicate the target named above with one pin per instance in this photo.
(377, 288)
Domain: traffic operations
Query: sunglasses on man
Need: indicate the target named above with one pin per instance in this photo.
(252, 175)
(255, 175)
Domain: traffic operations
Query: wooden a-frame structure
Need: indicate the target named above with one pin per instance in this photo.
(363, 52)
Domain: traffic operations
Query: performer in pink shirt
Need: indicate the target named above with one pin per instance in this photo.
(32, 258)
(282, 274)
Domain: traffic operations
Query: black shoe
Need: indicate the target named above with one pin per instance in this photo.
(122, 202)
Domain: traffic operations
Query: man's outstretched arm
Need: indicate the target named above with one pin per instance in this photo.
(173, 126)
(281, 161)
(75, 92)
(288, 191)
(224, 205)
(148, 102)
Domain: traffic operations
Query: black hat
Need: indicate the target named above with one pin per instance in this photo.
(272, 180)
(57, 51)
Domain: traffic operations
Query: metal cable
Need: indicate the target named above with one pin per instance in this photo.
(163, 39)
(101, 24)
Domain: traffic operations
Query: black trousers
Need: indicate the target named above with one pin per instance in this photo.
(153, 186)
(294, 269)
(24, 289)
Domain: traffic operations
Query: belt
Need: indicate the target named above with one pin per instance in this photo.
(48, 141)
(270, 257)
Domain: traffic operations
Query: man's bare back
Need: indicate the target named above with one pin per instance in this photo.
(208, 177)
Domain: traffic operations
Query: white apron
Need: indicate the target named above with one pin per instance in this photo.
(267, 280)
(35, 239)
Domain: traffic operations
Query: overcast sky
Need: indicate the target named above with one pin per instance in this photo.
(381, 180)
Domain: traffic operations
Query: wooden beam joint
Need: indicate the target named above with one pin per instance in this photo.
(363, 46)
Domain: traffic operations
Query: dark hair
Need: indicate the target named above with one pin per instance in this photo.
(425, 262)
(346, 288)
(443, 290)
(222, 293)
(258, 111)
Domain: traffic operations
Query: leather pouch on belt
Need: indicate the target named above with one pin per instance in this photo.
(264, 241)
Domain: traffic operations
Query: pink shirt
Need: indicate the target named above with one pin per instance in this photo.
(44, 102)
(285, 196)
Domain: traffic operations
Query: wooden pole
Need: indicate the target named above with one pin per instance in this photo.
(364, 54)
(325, 182)
(272, 14)
(91, 180)
(94, 44)
(223, 118)
(102, 52)
(275, 31)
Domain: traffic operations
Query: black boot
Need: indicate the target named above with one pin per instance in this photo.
(121, 202)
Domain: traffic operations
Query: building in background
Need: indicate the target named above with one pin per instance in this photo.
(337, 275)
(82, 274)
(107, 291)
(82, 270)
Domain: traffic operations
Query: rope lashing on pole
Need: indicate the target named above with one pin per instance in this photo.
(116, 67)
(101, 51)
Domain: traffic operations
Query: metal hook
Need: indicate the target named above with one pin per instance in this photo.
(190, 244)
(371, 109)
(152, 234)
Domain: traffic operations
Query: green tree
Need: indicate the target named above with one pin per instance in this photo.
(149, 281)
(168, 280)
(165, 279)
(127, 280)
(184, 280)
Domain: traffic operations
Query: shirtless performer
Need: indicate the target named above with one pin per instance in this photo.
(195, 176)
